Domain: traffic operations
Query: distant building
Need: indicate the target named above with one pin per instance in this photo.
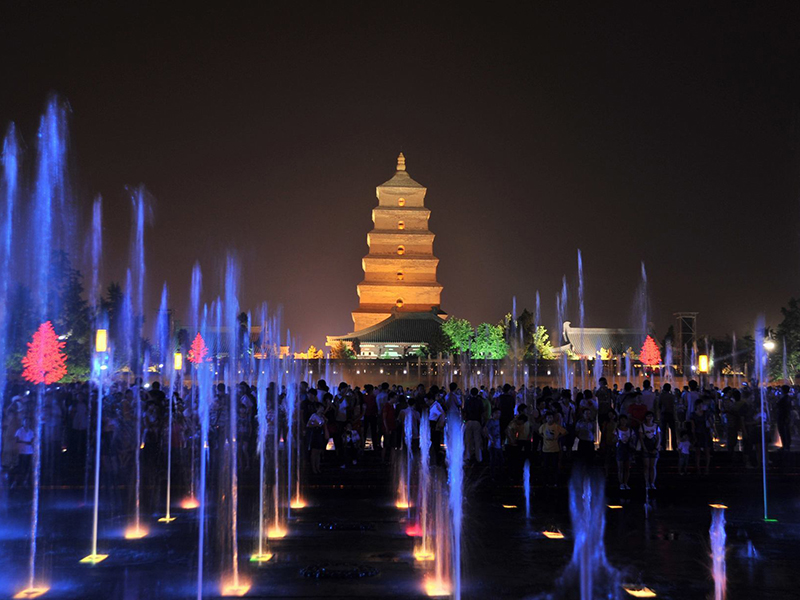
(399, 298)
(591, 342)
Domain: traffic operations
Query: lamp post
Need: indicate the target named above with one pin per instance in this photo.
(99, 366)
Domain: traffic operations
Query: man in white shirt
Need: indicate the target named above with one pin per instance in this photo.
(648, 395)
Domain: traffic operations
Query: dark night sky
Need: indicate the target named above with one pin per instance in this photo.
(668, 135)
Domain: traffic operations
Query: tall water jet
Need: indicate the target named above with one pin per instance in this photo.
(194, 315)
(454, 438)
(537, 318)
(761, 377)
(136, 278)
(581, 311)
(167, 365)
(9, 190)
(717, 536)
(263, 554)
(424, 548)
(642, 304)
(526, 486)
(50, 199)
(561, 311)
(408, 431)
(204, 397)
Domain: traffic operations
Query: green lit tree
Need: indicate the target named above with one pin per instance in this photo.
(340, 350)
(788, 334)
(460, 333)
(541, 344)
(489, 342)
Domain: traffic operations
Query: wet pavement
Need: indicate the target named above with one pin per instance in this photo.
(350, 541)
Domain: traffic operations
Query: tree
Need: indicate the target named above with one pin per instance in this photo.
(788, 334)
(313, 352)
(44, 362)
(650, 355)
(460, 333)
(340, 350)
(489, 342)
(541, 344)
(440, 344)
(198, 350)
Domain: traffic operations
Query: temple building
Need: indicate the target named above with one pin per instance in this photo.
(399, 298)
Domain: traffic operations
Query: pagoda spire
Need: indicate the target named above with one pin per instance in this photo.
(401, 162)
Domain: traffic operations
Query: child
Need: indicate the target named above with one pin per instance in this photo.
(683, 452)
(495, 443)
(353, 442)
(551, 432)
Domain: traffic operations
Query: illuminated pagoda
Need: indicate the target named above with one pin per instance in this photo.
(399, 298)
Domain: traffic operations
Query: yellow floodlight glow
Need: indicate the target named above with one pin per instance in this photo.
(93, 559)
(32, 592)
(101, 341)
(135, 533)
(238, 589)
(297, 504)
(553, 535)
(436, 588)
(639, 592)
(719, 506)
(424, 555)
(178, 361)
(276, 532)
(189, 503)
(261, 558)
(166, 519)
(402, 504)
(509, 506)
(614, 506)
(702, 363)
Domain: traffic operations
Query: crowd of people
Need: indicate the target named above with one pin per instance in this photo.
(504, 426)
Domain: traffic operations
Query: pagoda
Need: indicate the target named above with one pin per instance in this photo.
(399, 272)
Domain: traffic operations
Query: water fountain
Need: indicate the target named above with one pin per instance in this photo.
(424, 548)
(717, 536)
(454, 438)
(526, 486)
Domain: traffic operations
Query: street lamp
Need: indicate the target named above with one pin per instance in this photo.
(702, 363)
(101, 341)
(769, 344)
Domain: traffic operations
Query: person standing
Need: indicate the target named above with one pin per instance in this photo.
(24, 440)
(585, 432)
(651, 441)
(784, 418)
(666, 406)
(551, 432)
(625, 441)
(473, 429)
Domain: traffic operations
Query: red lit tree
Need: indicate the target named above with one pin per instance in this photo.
(198, 350)
(45, 363)
(650, 355)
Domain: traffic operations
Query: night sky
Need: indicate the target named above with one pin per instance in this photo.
(665, 134)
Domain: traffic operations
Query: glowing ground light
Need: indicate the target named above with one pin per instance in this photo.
(770, 520)
(261, 558)
(189, 503)
(639, 591)
(614, 506)
(402, 504)
(509, 506)
(297, 503)
(239, 590)
(720, 506)
(423, 556)
(93, 559)
(413, 530)
(166, 519)
(436, 588)
(553, 535)
(135, 533)
(275, 532)
(32, 592)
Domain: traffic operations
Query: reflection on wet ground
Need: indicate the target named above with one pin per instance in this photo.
(351, 542)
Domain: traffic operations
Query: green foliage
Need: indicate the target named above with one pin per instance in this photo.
(788, 333)
(460, 333)
(340, 350)
(541, 344)
(489, 342)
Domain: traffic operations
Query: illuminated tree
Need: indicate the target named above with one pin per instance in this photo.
(341, 350)
(489, 342)
(650, 354)
(198, 350)
(460, 334)
(542, 345)
(45, 363)
(313, 352)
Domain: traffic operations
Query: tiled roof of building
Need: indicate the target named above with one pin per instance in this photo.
(400, 328)
(587, 341)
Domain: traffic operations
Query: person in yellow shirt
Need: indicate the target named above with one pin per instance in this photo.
(550, 433)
